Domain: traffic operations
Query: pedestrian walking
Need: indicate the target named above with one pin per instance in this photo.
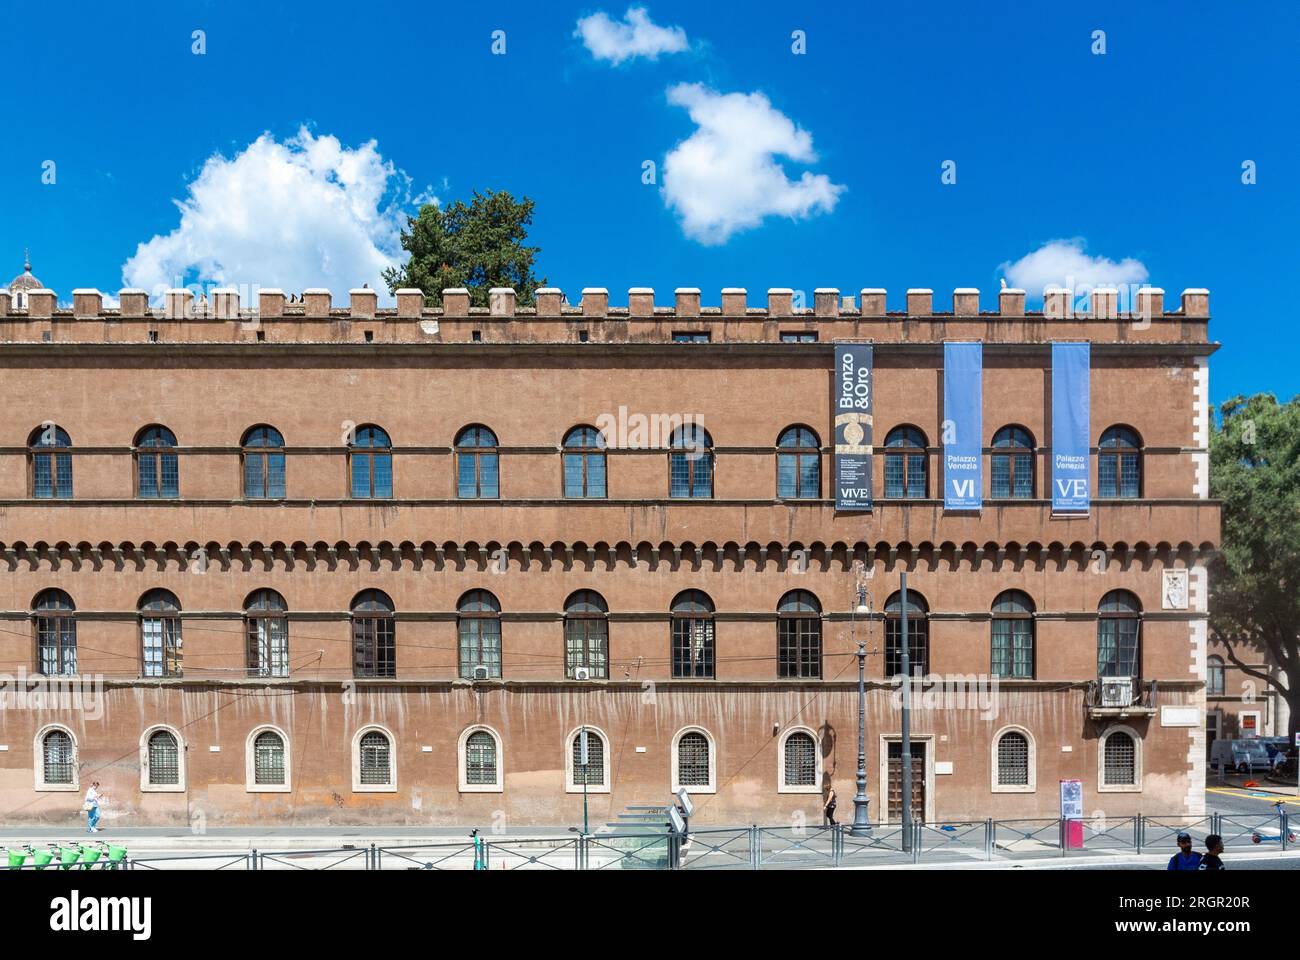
(828, 808)
(91, 806)
(1186, 858)
(1213, 847)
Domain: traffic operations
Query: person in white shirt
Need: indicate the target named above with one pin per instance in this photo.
(92, 808)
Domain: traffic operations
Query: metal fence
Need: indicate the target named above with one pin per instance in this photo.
(753, 847)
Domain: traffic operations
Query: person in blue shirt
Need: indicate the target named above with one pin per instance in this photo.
(1185, 858)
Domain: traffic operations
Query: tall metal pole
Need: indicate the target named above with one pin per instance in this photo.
(583, 756)
(907, 730)
(861, 815)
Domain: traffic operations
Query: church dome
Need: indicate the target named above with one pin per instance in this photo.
(25, 282)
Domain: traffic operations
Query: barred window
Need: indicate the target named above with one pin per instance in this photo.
(586, 634)
(1119, 463)
(374, 635)
(56, 634)
(1119, 635)
(693, 760)
(480, 758)
(798, 464)
(1013, 760)
(157, 470)
(51, 462)
(584, 463)
(692, 635)
(799, 636)
(1013, 635)
(690, 462)
(160, 634)
(906, 464)
(376, 759)
(591, 773)
(164, 759)
(918, 634)
(1120, 767)
(268, 634)
(800, 760)
(263, 454)
(370, 464)
(1013, 463)
(477, 465)
(58, 757)
(478, 623)
(268, 759)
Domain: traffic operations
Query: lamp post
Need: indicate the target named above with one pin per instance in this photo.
(861, 818)
(906, 746)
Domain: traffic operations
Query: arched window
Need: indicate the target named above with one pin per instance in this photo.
(58, 759)
(586, 635)
(906, 466)
(1013, 635)
(478, 475)
(800, 763)
(263, 453)
(1119, 635)
(374, 635)
(481, 768)
(1119, 463)
(56, 634)
(918, 634)
(479, 626)
(370, 464)
(584, 463)
(1120, 766)
(799, 636)
(164, 759)
(156, 470)
(693, 762)
(690, 462)
(160, 634)
(265, 614)
(1013, 463)
(1013, 760)
(51, 461)
(374, 762)
(269, 761)
(798, 464)
(692, 635)
(589, 768)
(1214, 676)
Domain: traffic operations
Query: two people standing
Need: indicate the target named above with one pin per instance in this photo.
(1188, 859)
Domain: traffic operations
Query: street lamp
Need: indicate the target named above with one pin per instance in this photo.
(861, 820)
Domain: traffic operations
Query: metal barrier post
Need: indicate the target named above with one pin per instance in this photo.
(988, 838)
(1061, 833)
(1282, 823)
(915, 828)
(755, 847)
(252, 859)
(1139, 828)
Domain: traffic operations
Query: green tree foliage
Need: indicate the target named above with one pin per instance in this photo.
(477, 246)
(1255, 582)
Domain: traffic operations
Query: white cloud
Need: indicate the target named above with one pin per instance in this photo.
(635, 36)
(1064, 263)
(724, 177)
(304, 213)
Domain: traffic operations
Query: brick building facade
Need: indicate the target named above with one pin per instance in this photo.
(350, 565)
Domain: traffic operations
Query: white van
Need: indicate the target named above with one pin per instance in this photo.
(1244, 756)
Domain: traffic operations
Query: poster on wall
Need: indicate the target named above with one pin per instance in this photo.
(1071, 426)
(851, 403)
(963, 406)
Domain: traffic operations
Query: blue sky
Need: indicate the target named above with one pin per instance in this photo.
(1137, 153)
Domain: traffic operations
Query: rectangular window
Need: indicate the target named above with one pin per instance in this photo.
(480, 646)
(373, 647)
(162, 646)
(799, 647)
(691, 336)
(268, 646)
(1013, 648)
(693, 648)
(798, 336)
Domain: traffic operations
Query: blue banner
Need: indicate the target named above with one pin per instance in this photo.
(851, 403)
(963, 430)
(1071, 427)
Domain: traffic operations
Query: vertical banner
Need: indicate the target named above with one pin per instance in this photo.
(851, 401)
(963, 429)
(1071, 426)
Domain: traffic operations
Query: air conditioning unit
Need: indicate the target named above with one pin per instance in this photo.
(1116, 691)
(480, 673)
(582, 673)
